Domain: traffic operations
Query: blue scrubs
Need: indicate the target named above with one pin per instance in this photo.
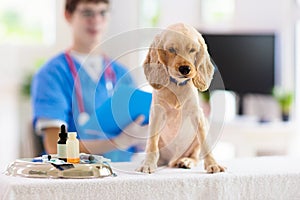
(53, 97)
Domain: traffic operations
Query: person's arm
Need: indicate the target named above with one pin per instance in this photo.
(50, 140)
(85, 146)
(133, 134)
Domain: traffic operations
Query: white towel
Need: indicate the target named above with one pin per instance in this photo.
(251, 178)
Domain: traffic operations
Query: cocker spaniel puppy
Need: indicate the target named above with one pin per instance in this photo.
(177, 65)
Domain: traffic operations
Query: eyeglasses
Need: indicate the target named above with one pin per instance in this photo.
(87, 13)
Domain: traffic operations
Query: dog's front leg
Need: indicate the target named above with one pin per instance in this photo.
(157, 120)
(152, 155)
(210, 165)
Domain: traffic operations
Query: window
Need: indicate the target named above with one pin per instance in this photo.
(150, 13)
(27, 22)
(297, 64)
(216, 11)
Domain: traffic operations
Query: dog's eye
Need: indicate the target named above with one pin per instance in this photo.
(192, 50)
(172, 50)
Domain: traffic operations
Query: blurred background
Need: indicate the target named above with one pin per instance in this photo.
(32, 31)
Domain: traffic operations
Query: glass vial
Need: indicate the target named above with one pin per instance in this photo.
(72, 148)
(61, 144)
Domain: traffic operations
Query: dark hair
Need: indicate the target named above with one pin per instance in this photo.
(72, 4)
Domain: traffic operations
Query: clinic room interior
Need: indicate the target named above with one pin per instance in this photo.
(253, 121)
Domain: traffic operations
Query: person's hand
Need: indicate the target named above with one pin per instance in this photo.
(135, 134)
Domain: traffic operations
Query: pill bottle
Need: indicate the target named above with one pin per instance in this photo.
(72, 148)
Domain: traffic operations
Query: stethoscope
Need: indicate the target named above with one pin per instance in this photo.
(110, 81)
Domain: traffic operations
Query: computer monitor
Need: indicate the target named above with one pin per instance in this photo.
(246, 62)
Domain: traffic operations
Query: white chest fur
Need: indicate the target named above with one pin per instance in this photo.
(180, 105)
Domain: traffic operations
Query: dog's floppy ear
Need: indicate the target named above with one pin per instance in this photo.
(204, 67)
(154, 65)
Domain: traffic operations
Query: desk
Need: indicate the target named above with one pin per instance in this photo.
(251, 137)
(247, 178)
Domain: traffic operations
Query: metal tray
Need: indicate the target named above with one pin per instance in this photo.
(26, 168)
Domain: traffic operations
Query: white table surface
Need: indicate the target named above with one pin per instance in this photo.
(247, 178)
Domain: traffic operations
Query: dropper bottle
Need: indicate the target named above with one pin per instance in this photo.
(61, 144)
(72, 148)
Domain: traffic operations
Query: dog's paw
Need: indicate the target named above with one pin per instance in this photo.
(186, 163)
(215, 168)
(147, 168)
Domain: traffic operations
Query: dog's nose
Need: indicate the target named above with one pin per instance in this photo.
(184, 70)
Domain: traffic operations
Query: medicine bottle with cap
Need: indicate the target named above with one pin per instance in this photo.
(61, 144)
(72, 148)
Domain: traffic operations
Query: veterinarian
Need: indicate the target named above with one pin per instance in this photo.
(60, 97)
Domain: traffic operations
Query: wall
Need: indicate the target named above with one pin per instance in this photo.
(296, 18)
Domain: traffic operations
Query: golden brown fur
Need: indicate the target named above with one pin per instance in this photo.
(176, 66)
